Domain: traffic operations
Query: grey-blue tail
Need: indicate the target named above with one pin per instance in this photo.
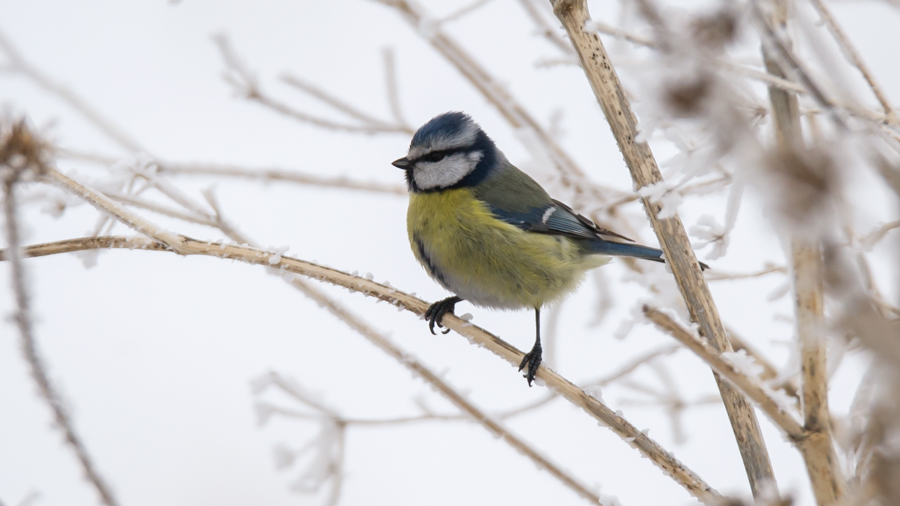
(620, 249)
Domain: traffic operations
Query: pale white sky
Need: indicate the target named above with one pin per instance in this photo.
(155, 354)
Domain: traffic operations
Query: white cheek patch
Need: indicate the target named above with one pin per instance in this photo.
(446, 172)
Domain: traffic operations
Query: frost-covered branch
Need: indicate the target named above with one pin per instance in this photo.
(17, 63)
(478, 336)
(571, 175)
(728, 369)
(261, 174)
(21, 157)
(186, 246)
(853, 55)
(670, 231)
(809, 306)
(246, 83)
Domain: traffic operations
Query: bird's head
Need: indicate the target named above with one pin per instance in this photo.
(450, 151)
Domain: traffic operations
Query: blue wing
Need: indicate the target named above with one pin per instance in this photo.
(557, 218)
(514, 197)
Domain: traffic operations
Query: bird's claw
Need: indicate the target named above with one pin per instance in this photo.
(435, 313)
(533, 360)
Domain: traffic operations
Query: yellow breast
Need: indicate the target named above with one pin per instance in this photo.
(487, 261)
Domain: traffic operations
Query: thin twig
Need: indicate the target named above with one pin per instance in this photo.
(751, 386)
(255, 173)
(478, 336)
(729, 276)
(245, 82)
(157, 208)
(670, 231)
(19, 64)
(494, 91)
(19, 143)
(806, 258)
(818, 447)
(381, 341)
(853, 55)
(468, 9)
(108, 206)
(769, 372)
(393, 89)
(545, 29)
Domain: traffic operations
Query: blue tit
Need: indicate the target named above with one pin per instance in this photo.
(489, 233)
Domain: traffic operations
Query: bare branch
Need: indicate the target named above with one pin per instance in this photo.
(20, 152)
(276, 260)
(157, 208)
(670, 231)
(254, 173)
(20, 65)
(808, 276)
(393, 89)
(780, 415)
(316, 92)
(728, 276)
(478, 336)
(246, 83)
(853, 56)
(514, 113)
(468, 9)
(818, 448)
(545, 29)
(108, 206)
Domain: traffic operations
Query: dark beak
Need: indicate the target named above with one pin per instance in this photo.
(402, 163)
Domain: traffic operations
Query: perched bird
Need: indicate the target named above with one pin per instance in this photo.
(491, 234)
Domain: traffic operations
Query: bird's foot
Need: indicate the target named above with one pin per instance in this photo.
(533, 360)
(436, 312)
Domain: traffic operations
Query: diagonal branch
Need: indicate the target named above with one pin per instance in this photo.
(670, 231)
(19, 64)
(20, 145)
(476, 335)
(808, 276)
(853, 55)
(780, 415)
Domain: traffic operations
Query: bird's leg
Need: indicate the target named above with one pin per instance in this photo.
(436, 312)
(533, 358)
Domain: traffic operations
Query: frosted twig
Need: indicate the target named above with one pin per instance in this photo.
(514, 112)
(21, 152)
(728, 276)
(157, 208)
(818, 448)
(276, 260)
(18, 64)
(751, 386)
(808, 274)
(108, 206)
(376, 125)
(769, 371)
(853, 55)
(463, 11)
(246, 83)
(680, 257)
(544, 27)
(480, 337)
(255, 173)
(878, 234)
(616, 375)
(393, 89)
(743, 70)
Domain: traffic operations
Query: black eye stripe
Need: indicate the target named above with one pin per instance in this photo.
(435, 156)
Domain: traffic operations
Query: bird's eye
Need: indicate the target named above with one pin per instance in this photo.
(435, 157)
